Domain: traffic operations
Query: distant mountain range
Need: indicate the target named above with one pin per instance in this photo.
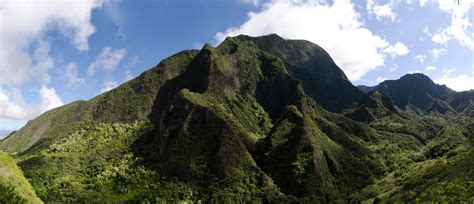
(253, 120)
(418, 91)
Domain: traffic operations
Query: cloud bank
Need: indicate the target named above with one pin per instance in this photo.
(108, 59)
(13, 107)
(24, 24)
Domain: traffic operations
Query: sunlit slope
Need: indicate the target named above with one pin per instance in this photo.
(14, 187)
(130, 101)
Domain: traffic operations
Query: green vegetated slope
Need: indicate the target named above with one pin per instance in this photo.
(419, 93)
(321, 77)
(429, 157)
(247, 121)
(94, 164)
(209, 135)
(14, 187)
(129, 102)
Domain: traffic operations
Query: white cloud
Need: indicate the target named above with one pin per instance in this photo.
(42, 62)
(73, 76)
(458, 83)
(430, 68)
(397, 50)
(12, 105)
(253, 2)
(24, 22)
(460, 28)
(109, 85)
(420, 58)
(135, 60)
(337, 28)
(128, 75)
(436, 53)
(49, 99)
(423, 3)
(427, 31)
(394, 67)
(448, 71)
(128, 66)
(198, 45)
(416, 71)
(113, 11)
(108, 59)
(381, 11)
(380, 79)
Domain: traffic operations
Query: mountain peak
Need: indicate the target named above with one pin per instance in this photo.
(272, 36)
(322, 79)
(416, 89)
(416, 77)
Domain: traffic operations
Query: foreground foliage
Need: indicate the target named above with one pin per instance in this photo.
(14, 187)
(94, 164)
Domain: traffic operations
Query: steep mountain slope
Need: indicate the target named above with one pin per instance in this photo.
(14, 188)
(467, 110)
(366, 89)
(235, 123)
(461, 100)
(415, 89)
(375, 106)
(130, 101)
(222, 120)
(430, 154)
(380, 113)
(321, 77)
(445, 176)
(420, 94)
(207, 130)
(441, 107)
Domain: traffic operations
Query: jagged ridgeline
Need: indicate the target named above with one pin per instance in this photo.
(419, 93)
(246, 121)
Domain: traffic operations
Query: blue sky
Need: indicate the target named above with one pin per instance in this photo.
(54, 52)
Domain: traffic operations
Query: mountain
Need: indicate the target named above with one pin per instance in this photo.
(418, 93)
(246, 121)
(468, 109)
(413, 89)
(442, 107)
(365, 89)
(374, 107)
(228, 116)
(461, 100)
(321, 77)
(129, 102)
